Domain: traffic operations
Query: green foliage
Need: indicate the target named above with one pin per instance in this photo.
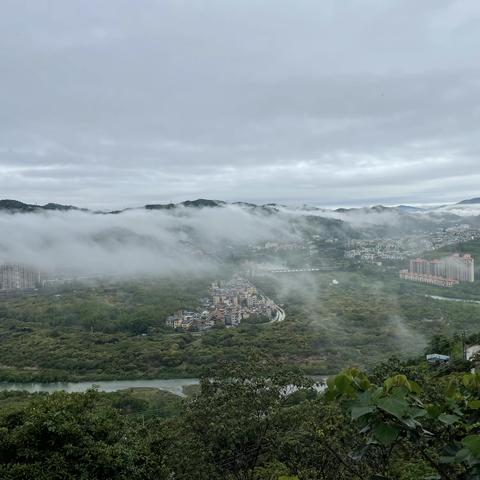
(253, 420)
(71, 436)
(116, 331)
(237, 415)
(440, 344)
(398, 415)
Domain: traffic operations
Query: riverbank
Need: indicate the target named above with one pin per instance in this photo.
(37, 375)
(175, 386)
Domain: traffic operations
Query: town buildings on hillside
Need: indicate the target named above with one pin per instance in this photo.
(229, 303)
(407, 246)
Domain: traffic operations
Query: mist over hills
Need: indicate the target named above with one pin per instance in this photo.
(16, 206)
(192, 216)
(196, 235)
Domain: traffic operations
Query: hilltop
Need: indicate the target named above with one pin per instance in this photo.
(16, 206)
(472, 201)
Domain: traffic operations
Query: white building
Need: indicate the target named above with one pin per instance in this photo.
(18, 277)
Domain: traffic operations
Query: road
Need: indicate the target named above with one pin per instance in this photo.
(451, 299)
(280, 317)
(296, 270)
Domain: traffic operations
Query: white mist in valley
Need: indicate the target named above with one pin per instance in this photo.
(135, 241)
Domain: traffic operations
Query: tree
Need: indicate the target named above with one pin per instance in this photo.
(440, 344)
(72, 436)
(236, 419)
(397, 420)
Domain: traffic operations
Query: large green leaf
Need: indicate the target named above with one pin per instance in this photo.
(396, 381)
(472, 443)
(434, 411)
(448, 419)
(343, 383)
(394, 406)
(472, 381)
(474, 404)
(357, 412)
(385, 434)
(416, 412)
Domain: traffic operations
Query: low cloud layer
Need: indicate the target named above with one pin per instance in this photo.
(142, 241)
(331, 103)
(136, 241)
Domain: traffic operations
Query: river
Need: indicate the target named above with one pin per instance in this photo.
(174, 385)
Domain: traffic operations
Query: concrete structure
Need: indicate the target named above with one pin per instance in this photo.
(428, 279)
(446, 272)
(456, 267)
(18, 277)
(437, 358)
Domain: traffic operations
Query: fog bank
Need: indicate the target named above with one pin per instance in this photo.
(134, 241)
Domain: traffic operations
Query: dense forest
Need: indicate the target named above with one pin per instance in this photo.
(256, 420)
(256, 414)
(117, 330)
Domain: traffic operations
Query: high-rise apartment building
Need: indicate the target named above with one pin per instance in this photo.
(455, 268)
(461, 267)
(18, 277)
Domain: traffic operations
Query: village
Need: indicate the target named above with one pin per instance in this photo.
(379, 249)
(229, 304)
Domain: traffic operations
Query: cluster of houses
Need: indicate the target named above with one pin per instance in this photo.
(380, 249)
(229, 303)
(371, 250)
(278, 246)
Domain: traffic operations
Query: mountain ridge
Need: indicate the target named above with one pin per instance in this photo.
(16, 206)
(471, 201)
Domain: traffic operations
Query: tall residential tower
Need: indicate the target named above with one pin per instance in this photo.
(445, 272)
(18, 277)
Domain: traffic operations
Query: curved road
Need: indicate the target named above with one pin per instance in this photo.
(280, 317)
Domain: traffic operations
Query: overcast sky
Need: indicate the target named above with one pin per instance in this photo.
(333, 102)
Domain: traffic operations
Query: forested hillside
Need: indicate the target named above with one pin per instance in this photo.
(117, 331)
(257, 420)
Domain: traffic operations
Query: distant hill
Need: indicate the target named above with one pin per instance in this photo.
(409, 209)
(160, 206)
(471, 201)
(199, 203)
(373, 209)
(14, 206)
(403, 213)
(202, 202)
(343, 223)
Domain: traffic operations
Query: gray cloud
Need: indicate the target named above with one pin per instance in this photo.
(116, 103)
